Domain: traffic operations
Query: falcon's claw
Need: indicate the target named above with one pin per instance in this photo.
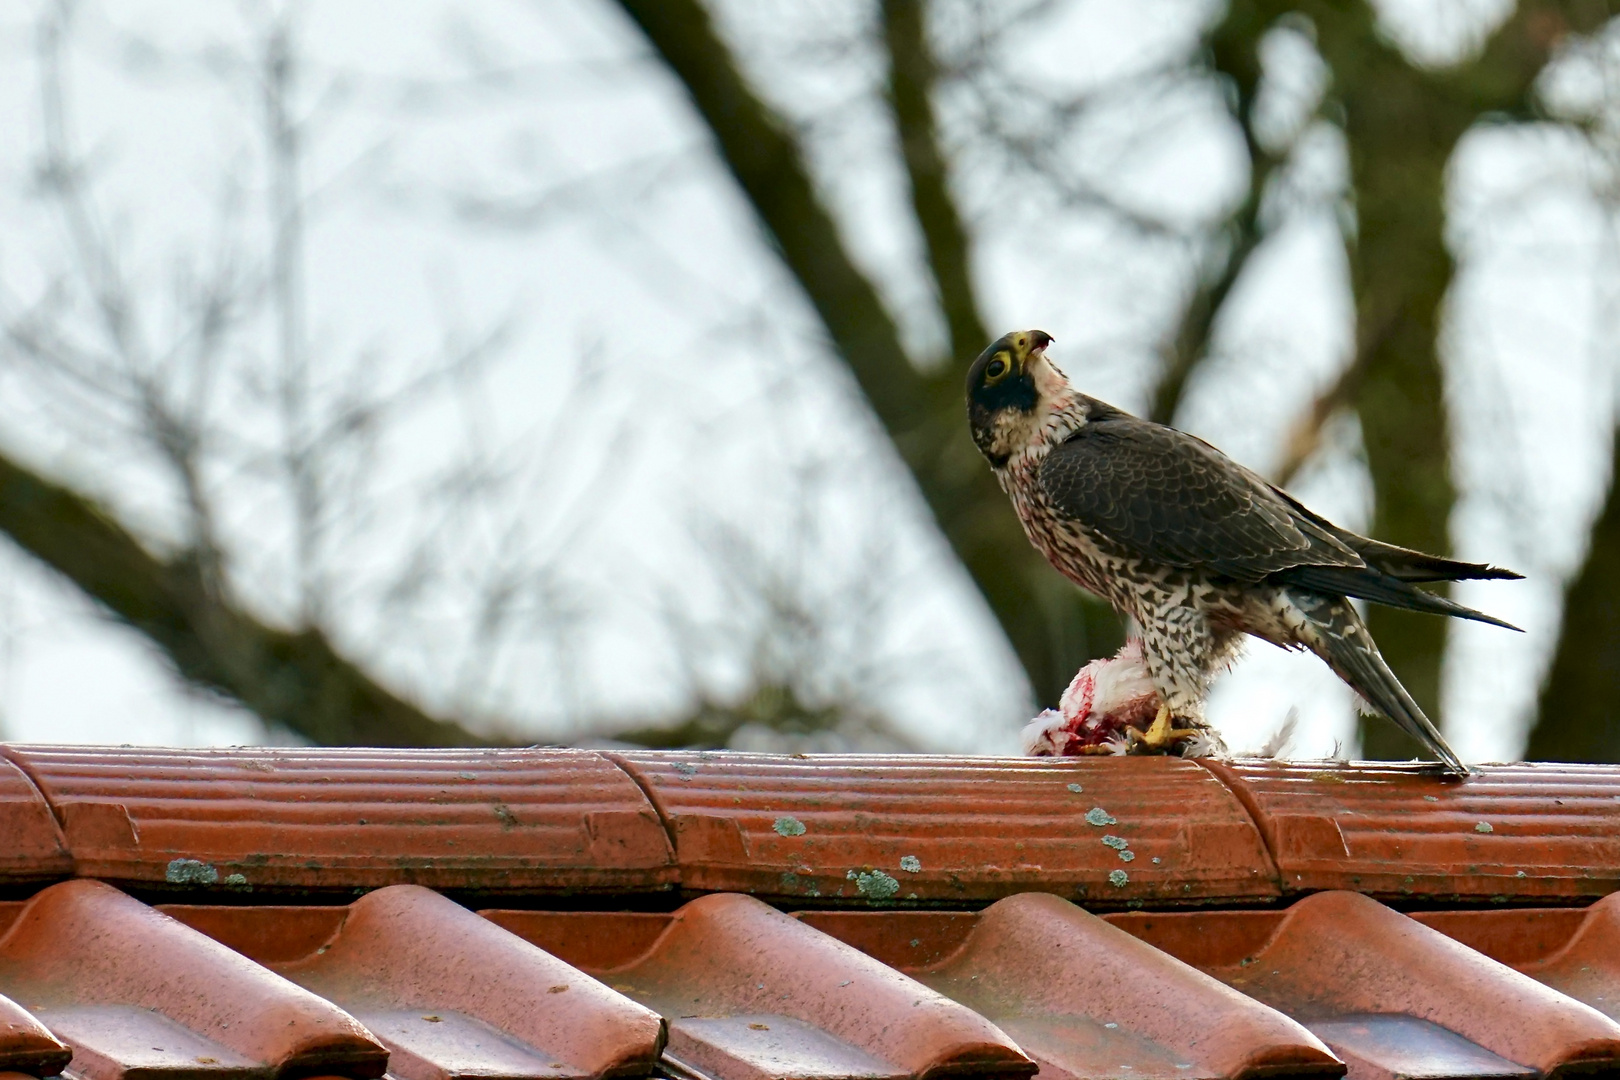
(1161, 735)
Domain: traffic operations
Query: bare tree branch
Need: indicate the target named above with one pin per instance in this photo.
(1402, 122)
(766, 162)
(1052, 627)
(171, 433)
(292, 678)
(1305, 437)
(87, 334)
(1234, 52)
(278, 75)
(912, 74)
(1189, 345)
(716, 725)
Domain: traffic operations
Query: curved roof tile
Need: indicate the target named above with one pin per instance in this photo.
(955, 830)
(530, 821)
(932, 931)
(1399, 831)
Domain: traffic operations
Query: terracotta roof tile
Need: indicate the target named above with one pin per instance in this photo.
(1086, 999)
(1513, 936)
(26, 1046)
(133, 990)
(449, 993)
(1575, 951)
(1395, 831)
(1395, 995)
(1213, 962)
(34, 849)
(1396, 1047)
(908, 940)
(532, 821)
(750, 993)
(955, 830)
(265, 933)
(589, 940)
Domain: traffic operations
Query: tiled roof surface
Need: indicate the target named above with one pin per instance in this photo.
(533, 821)
(954, 830)
(505, 915)
(1527, 831)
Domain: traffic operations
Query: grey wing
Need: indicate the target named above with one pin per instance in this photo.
(1169, 497)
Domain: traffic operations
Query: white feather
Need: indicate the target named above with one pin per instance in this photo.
(1044, 736)
(1120, 680)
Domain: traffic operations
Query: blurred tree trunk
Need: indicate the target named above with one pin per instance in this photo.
(1578, 714)
(1401, 130)
(1234, 49)
(1402, 123)
(1053, 627)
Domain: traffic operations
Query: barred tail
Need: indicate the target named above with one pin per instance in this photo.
(1341, 639)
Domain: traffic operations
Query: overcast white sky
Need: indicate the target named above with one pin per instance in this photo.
(635, 273)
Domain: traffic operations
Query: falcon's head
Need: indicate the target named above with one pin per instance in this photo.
(1010, 388)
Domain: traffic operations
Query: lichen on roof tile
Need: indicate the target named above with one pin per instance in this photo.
(1398, 830)
(979, 829)
(284, 818)
(908, 852)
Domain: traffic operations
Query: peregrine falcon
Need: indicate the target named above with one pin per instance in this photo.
(1191, 545)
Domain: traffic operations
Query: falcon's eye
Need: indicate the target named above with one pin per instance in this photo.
(995, 369)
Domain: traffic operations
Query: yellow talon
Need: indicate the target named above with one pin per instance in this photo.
(1161, 736)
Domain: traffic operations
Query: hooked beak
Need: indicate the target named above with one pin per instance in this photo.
(1038, 341)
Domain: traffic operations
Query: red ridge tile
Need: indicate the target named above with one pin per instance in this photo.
(878, 829)
(1379, 987)
(530, 821)
(34, 849)
(451, 994)
(1401, 831)
(1086, 999)
(26, 1046)
(134, 991)
(750, 993)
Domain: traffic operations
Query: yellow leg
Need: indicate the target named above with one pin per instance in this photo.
(1161, 735)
